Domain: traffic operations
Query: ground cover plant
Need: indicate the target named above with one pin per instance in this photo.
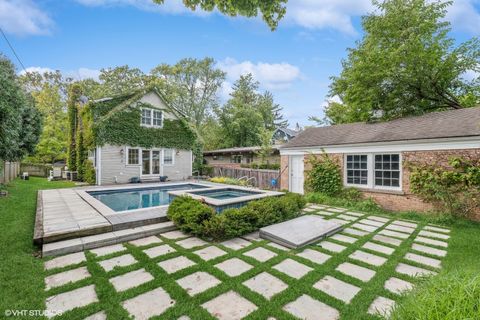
(228, 180)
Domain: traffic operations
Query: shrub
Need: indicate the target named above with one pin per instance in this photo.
(189, 215)
(368, 205)
(351, 194)
(89, 172)
(227, 180)
(264, 166)
(325, 175)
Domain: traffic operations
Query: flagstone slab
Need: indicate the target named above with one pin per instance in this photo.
(307, 308)
(357, 272)
(339, 221)
(355, 232)
(97, 316)
(429, 250)
(353, 213)
(432, 242)
(372, 222)
(347, 217)
(265, 284)
(198, 282)
(260, 254)
(430, 234)
(149, 304)
(145, 241)
(380, 219)
(175, 234)
(325, 213)
(190, 243)
(364, 227)
(437, 229)
(335, 209)
(64, 261)
(292, 268)
(405, 224)
(62, 278)
(378, 248)
(394, 234)
(314, 256)
(234, 267)
(398, 228)
(368, 258)
(413, 271)
(229, 306)
(130, 280)
(337, 288)
(176, 264)
(431, 262)
(210, 253)
(381, 306)
(343, 238)
(277, 246)
(158, 251)
(121, 261)
(330, 246)
(236, 243)
(69, 300)
(397, 286)
(103, 251)
(387, 240)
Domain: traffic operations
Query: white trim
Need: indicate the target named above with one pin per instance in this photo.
(152, 111)
(126, 157)
(99, 166)
(397, 146)
(173, 157)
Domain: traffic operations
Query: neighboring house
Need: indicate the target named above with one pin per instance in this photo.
(374, 157)
(138, 135)
(283, 135)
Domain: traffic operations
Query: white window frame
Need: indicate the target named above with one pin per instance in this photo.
(173, 158)
(371, 171)
(152, 112)
(151, 162)
(139, 157)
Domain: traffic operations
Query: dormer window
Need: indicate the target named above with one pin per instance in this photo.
(152, 118)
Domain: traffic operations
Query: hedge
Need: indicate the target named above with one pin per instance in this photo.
(195, 217)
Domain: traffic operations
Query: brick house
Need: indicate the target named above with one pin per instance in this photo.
(374, 157)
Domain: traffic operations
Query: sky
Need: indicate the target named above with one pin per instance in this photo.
(294, 62)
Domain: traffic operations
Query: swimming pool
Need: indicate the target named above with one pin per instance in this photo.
(139, 198)
(224, 194)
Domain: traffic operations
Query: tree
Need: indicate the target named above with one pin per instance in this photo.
(406, 64)
(121, 79)
(265, 144)
(271, 112)
(74, 94)
(272, 10)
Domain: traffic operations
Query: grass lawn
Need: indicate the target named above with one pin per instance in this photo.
(22, 274)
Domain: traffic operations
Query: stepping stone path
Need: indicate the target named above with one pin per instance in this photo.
(62, 278)
(339, 221)
(337, 210)
(397, 286)
(210, 253)
(72, 299)
(176, 264)
(387, 240)
(103, 251)
(330, 246)
(398, 228)
(131, 280)
(314, 256)
(430, 234)
(377, 218)
(325, 213)
(347, 217)
(368, 258)
(176, 234)
(432, 228)
(412, 271)
(121, 261)
(97, 316)
(236, 243)
(292, 268)
(158, 251)
(432, 242)
(260, 254)
(378, 248)
(229, 306)
(431, 262)
(429, 250)
(266, 285)
(357, 272)
(338, 289)
(198, 282)
(233, 267)
(405, 224)
(149, 304)
(145, 241)
(372, 222)
(381, 306)
(343, 238)
(277, 246)
(190, 243)
(355, 232)
(356, 214)
(307, 308)
(394, 234)
(64, 261)
(364, 227)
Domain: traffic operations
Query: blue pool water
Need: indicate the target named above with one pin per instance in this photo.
(131, 199)
(224, 194)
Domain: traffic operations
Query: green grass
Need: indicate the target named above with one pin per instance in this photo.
(21, 273)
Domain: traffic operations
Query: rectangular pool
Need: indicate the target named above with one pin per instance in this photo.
(224, 194)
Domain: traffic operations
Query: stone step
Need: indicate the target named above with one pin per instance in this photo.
(104, 239)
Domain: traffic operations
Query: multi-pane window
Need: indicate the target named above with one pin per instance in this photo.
(157, 118)
(387, 170)
(152, 118)
(236, 159)
(133, 156)
(357, 169)
(168, 156)
(147, 117)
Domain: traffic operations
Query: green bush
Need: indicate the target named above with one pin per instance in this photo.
(192, 216)
(449, 296)
(351, 194)
(324, 176)
(264, 166)
(89, 172)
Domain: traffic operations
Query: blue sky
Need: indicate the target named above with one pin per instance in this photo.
(79, 37)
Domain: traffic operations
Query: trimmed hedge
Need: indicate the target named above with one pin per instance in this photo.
(195, 217)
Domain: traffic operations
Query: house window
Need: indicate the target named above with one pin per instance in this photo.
(152, 118)
(236, 159)
(157, 118)
(168, 156)
(357, 169)
(133, 157)
(387, 170)
(147, 117)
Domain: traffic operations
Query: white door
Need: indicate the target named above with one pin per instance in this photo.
(296, 174)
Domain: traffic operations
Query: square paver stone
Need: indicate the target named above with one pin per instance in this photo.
(412, 271)
(381, 306)
(62, 278)
(260, 254)
(176, 264)
(148, 304)
(145, 241)
(368, 258)
(378, 248)
(357, 272)
(429, 250)
(176, 234)
(397, 286)
(292, 268)
(394, 234)
(265, 284)
(233, 267)
(330, 246)
(229, 306)
(314, 256)
(338, 289)
(64, 261)
(158, 251)
(387, 240)
(307, 308)
(236, 243)
(431, 262)
(355, 232)
(343, 238)
(121, 261)
(190, 243)
(432, 228)
(130, 280)
(436, 235)
(210, 253)
(72, 299)
(103, 251)
(432, 242)
(198, 282)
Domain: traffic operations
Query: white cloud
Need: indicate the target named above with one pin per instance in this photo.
(23, 17)
(464, 16)
(79, 74)
(270, 75)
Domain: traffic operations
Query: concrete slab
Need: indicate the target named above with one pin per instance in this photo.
(229, 306)
(364, 227)
(387, 240)
(369, 222)
(347, 217)
(254, 236)
(233, 267)
(148, 304)
(394, 234)
(176, 264)
(145, 241)
(368, 258)
(397, 286)
(314, 256)
(432, 242)
(277, 246)
(380, 219)
(353, 213)
(355, 232)
(398, 228)
(431, 262)
(236, 243)
(158, 251)
(175, 234)
(378, 248)
(292, 268)
(130, 280)
(69, 300)
(405, 223)
(307, 308)
(300, 231)
(260, 254)
(338, 289)
(436, 229)
(435, 235)
(412, 271)
(103, 251)
(62, 278)
(265, 284)
(64, 261)
(97, 316)
(190, 243)
(198, 282)
(330, 246)
(121, 261)
(325, 213)
(343, 238)
(357, 272)
(381, 306)
(210, 253)
(429, 250)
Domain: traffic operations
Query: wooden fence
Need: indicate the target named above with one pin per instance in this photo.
(261, 178)
(8, 171)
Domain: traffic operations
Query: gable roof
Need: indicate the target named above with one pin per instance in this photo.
(435, 125)
(288, 131)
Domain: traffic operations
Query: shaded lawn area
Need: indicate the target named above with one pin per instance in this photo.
(21, 273)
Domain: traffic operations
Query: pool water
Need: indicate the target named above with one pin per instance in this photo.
(131, 199)
(224, 194)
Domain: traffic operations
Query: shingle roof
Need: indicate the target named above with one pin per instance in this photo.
(446, 124)
(238, 149)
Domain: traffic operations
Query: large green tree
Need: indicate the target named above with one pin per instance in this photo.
(406, 64)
